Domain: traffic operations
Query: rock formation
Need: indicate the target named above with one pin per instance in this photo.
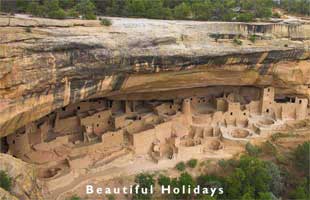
(24, 183)
(47, 64)
(76, 95)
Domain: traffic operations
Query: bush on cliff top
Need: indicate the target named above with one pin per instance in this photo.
(5, 181)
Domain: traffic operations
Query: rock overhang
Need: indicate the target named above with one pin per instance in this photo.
(62, 62)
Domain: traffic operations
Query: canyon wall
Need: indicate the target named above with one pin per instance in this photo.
(47, 64)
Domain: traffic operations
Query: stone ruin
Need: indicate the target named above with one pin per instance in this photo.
(92, 133)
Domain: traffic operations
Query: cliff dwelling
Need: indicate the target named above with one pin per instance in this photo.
(94, 132)
(80, 100)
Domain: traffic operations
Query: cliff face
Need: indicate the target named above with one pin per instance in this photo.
(24, 183)
(47, 64)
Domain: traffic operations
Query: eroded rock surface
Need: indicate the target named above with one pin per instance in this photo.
(24, 183)
(48, 64)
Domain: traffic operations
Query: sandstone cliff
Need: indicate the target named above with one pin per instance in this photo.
(24, 183)
(47, 64)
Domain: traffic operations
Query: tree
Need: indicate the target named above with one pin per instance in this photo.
(249, 179)
(75, 197)
(296, 6)
(192, 163)
(155, 10)
(180, 166)
(35, 9)
(202, 10)
(86, 8)
(136, 8)
(66, 4)
(144, 181)
(182, 11)
(302, 158)
(223, 10)
(184, 180)
(302, 190)
(252, 149)
(53, 9)
(163, 180)
(245, 17)
(259, 8)
(276, 182)
(5, 181)
(22, 5)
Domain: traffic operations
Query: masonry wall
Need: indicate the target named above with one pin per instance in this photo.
(142, 142)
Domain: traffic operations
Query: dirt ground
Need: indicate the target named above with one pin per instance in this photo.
(128, 167)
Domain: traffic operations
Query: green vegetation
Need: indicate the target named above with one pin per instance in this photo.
(57, 9)
(269, 148)
(226, 164)
(210, 10)
(237, 41)
(110, 197)
(302, 157)
(252, 38)
(144, 181)
(5, 180)
(86, 9)
(252, 150)
(216, 36)
(295, 6)
(279, 135)
(28, 29)
(246, 178)
(105, 22)
(180, 166)
(185, 179)
(276, 15)
(163, 180)
(302, 190)
(75, 197)
(192, 163)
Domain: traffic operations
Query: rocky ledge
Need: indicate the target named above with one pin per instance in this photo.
(47, 64)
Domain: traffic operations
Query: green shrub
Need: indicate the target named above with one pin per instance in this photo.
(192, 163)
(105, 22)
(237, 41)
(110, 197)
(245, 17)
(35, 9)
(252, 149)
(276, 183)
(302, 191)
(216, 36)
(57, 14)
(252, 38)
(180, 166)
(144, 180)
(281, 158)
(185, 179)
(86, 8)
(75, 197)
(276, 136)
(223, 163)
(302, 157)
(163, 180)
(89, 16)
(210, 181)
(73, 13)
(5, 180)
(182, 11)
(276, 15)
(28, 29)
(248, 179)
(268, 147)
